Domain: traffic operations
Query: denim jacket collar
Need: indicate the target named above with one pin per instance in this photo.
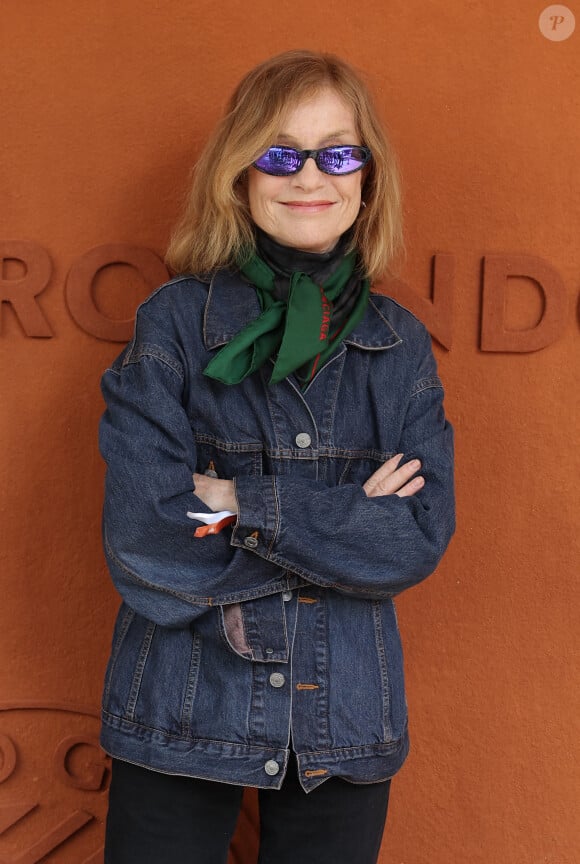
(232, 304)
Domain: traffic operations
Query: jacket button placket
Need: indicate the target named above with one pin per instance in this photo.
(295, 432)
(310, 707)
(271, 703)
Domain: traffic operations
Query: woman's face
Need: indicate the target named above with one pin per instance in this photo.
(309, 210)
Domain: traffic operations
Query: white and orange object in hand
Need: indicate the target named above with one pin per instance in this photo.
(213, 522)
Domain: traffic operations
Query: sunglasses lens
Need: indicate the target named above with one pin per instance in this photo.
(279, 161)
(282, 161)
(342, 160)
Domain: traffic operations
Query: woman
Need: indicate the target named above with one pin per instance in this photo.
(269, 384)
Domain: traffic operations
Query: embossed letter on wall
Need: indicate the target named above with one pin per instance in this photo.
(53, 781)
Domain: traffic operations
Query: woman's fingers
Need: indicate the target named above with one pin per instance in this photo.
(390, 479)
(411, 488)
(216, 494)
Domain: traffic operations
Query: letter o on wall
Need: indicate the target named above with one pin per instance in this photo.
(79, 286)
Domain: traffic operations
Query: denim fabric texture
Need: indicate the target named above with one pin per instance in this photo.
(282, 627)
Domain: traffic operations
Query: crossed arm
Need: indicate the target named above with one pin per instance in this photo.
(389, 479)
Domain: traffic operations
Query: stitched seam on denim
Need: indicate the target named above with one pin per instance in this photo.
(327, 453)
(156, 353)
(197, 601)
(206, 310)
(340, 352)
(291, 666)
(191, 687)
(228, 446)
(128, 619)
(362, 347)
(316, 436)
(357, 751)
(386, 320)
(311, 577)
(235, 597)
(391, 300)
(271, 413)
(425, 384)
(384, 672)
(344, 472)
(336, 373)
(139, 670)
(228, 335)
(114, 370)
(285, 627)
(354, 752)
(298, 455)
(257, 749)
(255, 718)
(242, 596)
(376, 345)
(277, 517)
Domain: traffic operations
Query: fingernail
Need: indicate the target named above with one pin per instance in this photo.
(415, 463)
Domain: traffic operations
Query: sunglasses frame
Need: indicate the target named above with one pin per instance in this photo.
(314, 154)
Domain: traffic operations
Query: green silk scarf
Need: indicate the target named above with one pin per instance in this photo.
(296, 331)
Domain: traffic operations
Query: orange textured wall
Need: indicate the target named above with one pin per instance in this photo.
(104, 108)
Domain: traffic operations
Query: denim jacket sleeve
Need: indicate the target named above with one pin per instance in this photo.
(160, 569)
(338, 537)
(288, 529)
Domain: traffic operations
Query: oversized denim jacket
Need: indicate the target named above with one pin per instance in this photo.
(280, 631)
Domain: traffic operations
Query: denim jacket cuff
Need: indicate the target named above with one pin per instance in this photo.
(258, 514)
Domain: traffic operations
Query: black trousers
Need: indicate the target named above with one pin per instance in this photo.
(161, 819)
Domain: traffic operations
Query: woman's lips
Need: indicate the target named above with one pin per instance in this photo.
(308, 206)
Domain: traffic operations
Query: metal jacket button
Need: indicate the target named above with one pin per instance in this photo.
(250, 542)
(303, 439)
(277, 679)
(286, 596)
(271, 768)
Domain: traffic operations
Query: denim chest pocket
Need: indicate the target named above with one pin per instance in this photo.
(228, 459)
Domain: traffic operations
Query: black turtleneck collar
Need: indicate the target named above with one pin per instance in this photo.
(285, 260)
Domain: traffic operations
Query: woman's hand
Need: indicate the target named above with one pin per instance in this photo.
(389, 479)
(216, 494)
(392, 480)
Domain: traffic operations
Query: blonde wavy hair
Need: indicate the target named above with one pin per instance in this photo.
(216, 226)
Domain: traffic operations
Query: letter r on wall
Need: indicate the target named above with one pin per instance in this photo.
(21, 292)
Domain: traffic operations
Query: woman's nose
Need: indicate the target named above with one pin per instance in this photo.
(310, 176)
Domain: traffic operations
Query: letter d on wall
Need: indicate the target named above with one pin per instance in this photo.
(497, 269)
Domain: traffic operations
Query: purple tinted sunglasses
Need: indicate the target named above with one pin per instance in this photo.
(343, 159)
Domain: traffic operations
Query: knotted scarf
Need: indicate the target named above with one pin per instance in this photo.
(298, 330)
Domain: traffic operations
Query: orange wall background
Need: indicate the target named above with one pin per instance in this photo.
(104, 109)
